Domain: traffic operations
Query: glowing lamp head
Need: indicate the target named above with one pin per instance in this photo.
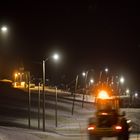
(103, 94)
(56, 56)
(16, 74)
(4, 29)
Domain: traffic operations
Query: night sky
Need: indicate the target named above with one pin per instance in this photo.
(90, 34)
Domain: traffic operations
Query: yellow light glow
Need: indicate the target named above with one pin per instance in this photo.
(15, 84)
(103, 94)
(16, 74)
(22, 84)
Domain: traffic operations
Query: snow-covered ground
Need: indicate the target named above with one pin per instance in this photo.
(11, 133)
(70, 127)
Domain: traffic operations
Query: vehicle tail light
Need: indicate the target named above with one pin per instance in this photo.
(118, 127)
(91, 127)
(104, 113)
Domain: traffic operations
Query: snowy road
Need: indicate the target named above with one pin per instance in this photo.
(12, 133)
(14, 112)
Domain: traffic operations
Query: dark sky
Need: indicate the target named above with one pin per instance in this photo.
(88, 34)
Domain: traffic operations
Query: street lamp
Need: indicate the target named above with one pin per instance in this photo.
(91, 81)
(127, 91)
(136, 95)
(106, 70)
(122, 80)
(55, 57)
(4, 29)
(101, 73)
(84, 74)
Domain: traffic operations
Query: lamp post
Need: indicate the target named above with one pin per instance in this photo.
(85, 75)
(101, 73)
(56, 122)
(43, 95)
(91, 82)
(106, 71)
(55, 57)
(121, 81)
(39, 105)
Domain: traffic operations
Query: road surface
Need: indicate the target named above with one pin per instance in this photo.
(14, 112)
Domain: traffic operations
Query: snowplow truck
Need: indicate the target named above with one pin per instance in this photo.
(108, 121)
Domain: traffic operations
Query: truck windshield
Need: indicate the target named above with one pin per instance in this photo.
(106, 104)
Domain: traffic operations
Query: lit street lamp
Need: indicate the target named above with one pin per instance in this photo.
(4, 29)
(122, 80)
(127, 91)
(84, 74)
(106, 70)
(136, 95)
(55, 57)
(101, 73)
(91, 81)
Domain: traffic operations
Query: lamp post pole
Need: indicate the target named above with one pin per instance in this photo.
(43, 95)
(29, 101)
(56, 122)
(39, 105)
(76, 83)
(100, 77)
(85, 91)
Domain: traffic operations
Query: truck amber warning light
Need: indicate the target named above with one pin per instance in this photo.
(103, 95)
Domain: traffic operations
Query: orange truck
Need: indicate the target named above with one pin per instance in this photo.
(108, 121)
